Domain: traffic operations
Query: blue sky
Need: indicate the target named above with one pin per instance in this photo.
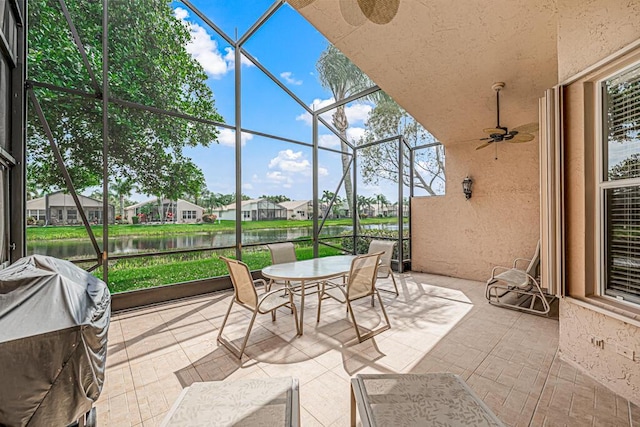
(288, 46)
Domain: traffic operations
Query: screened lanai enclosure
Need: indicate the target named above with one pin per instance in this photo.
(121, 108)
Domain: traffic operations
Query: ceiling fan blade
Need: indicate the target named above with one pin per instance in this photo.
(299, 4)
(528, 128)
(522, 137)
(379, 11)
(352, 13)
(491, 131)
(484, 145)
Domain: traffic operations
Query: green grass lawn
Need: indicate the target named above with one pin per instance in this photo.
(138, 273)
(79, 232)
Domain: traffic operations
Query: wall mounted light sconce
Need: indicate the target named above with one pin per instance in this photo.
(466, 187)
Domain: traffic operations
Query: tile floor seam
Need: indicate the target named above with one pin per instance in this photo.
(629, 412)
(544, 386)
(489, 352)
(135, 389)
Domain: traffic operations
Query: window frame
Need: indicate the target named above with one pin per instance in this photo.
(187, 214)
(603, 184)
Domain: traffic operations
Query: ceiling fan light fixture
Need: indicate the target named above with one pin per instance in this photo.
(501, 133)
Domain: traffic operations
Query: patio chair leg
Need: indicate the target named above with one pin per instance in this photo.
(246, 337)
(395, 285)
(320, 294)
(295, 313)
(224, 322)
(370, 334)
(353, 319)
(386, 318)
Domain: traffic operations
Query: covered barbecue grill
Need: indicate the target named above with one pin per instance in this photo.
(54, 319)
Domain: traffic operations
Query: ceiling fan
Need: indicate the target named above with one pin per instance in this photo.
(500, 133)
(377, 11)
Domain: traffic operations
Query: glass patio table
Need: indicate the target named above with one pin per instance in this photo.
(308, 272)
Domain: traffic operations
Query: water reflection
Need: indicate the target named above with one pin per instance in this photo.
(68, 249)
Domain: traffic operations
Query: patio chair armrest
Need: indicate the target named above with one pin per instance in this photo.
(265, 285)
(515, 261)
(498, 267)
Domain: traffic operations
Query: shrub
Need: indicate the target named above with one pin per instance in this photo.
(209, 218)
(362, 245)
(31, 220)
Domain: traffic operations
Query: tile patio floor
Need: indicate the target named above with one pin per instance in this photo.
(439, 324)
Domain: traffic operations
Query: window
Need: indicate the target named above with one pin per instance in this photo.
(72, 214)
(301, 213)
(246, 214)
(620, 185)
(188, 214)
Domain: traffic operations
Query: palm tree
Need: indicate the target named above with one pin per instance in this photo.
(382, 201)
(341, 76)
(122, 187)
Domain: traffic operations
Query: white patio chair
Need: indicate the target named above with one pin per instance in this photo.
(246, 296)
(384, 269)
(361, 283)
(516, 288)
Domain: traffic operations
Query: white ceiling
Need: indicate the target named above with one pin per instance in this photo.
(439, 58)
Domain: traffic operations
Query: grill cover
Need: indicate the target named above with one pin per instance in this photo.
(54, 319)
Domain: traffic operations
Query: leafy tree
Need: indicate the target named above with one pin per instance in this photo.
(33, 189)
(380, 161)
(225, 199)
(200, 196)
(148, 64)
(343, 78)
(627, 168)
(276, 199)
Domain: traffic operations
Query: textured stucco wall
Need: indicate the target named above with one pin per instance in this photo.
(578, 324)
(590, 30)
(460, 238)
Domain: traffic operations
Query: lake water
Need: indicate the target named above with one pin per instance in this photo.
(82, 248)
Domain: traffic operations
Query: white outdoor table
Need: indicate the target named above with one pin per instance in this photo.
(419, 400)
(246, 402)
(308, 271)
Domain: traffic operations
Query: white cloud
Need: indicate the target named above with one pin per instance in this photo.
(247, 186)
(230, 57)
(228, 137)
(205, 50)
(181, 13)
(276, 176)
(356, 113)
(323, 171)
(329, 140)
(288, 77)
(290, 161)
(355, 133)
(279, 179)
